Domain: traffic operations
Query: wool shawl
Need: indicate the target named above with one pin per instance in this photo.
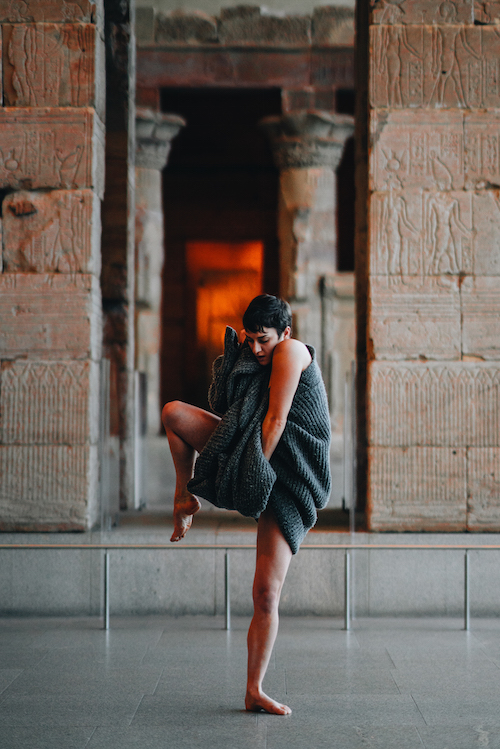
(232, 471)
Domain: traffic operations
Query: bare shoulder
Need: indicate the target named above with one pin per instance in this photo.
(293, 352)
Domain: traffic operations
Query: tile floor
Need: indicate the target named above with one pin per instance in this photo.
(168, 683)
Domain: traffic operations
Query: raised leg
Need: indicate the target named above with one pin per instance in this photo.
(273, 560)
(188, 429)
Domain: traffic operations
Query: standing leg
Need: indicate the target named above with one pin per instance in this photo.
(188, 429)
(273, 560)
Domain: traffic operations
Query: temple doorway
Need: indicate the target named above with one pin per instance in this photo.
(221, 245)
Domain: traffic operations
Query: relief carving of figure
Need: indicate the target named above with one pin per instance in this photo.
(398, 231)
(391, 42)
(37, 57)
(446, 233)
(445, 58)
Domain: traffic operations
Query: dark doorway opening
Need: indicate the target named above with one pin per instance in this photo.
(220, 203)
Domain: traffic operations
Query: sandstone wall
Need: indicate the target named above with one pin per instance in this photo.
(52, 180)
(433, 332)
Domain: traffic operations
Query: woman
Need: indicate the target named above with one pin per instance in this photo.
(264, 452)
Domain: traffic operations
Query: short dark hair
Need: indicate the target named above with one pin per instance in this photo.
(267, 311)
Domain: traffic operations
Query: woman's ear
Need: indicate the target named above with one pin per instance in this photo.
(287, 333)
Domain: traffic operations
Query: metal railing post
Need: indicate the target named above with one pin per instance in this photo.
(466, 591)
(227, 592)
(347, 590)
(106, 590)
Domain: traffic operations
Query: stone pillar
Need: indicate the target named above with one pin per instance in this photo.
(154, 133)
(434, 270)
(308, 147)
(51, 168)
(118, 233)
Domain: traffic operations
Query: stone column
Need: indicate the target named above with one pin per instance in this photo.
(51, 167)
(154, 133)
(434, 270)
(308, 147)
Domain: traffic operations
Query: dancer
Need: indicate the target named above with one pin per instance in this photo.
(264, 452)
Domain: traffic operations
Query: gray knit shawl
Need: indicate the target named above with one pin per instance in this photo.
(232, 472)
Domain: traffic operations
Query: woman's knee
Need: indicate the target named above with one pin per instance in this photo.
(170, 413)
(266, 596)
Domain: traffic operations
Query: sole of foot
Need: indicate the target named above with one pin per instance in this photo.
(184, 509)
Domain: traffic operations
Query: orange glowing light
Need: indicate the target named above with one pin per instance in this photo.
(225, 277)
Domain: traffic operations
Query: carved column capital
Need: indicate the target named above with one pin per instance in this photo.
(154, 134)
(308, 138)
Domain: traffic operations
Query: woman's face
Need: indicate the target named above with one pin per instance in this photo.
(263, 342)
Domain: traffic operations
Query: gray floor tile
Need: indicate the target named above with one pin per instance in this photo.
(467, 710)
(92, 680)
(41, 737)
(67, 710)
(234, 732)
(460, 737)
(338, 680)
(8, 676)
(19, 657)
(292, 735)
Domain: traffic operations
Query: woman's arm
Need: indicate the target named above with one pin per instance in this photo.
(290, 358)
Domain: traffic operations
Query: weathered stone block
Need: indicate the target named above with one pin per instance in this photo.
(417, 149)
(434, 66)
(483, 483)
(487, 12)
(59, 148)
(247, 24)
(48, 488)
(422, 11)
(52, 11)
(417, 489)
(45, 232)
(50, 316)
(53, 65)
(415, 232)
(480, 297)
(482, 149)
(437, 150)
(49, 403)
(441, 404)
(333, 26)
(412, 318)
(187, 27)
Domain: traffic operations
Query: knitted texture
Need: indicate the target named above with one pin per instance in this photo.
(232, 471)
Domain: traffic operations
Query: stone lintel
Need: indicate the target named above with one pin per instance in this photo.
(154, 134)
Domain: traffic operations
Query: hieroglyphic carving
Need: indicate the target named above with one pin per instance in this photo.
(50, 316)
(52, 231)
(417, 149)
(417, 488)
(435, 150)
(480, 298)
(422, 11)
(48, 487)
(412, 317)
(48, 403)
(487, 12)
(61, 148)
(483, 483)
(414, 232)
(49, 65)
(434, 404)
(38, 11)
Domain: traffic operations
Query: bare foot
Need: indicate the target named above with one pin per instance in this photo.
(185, 506)
(261, 702)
